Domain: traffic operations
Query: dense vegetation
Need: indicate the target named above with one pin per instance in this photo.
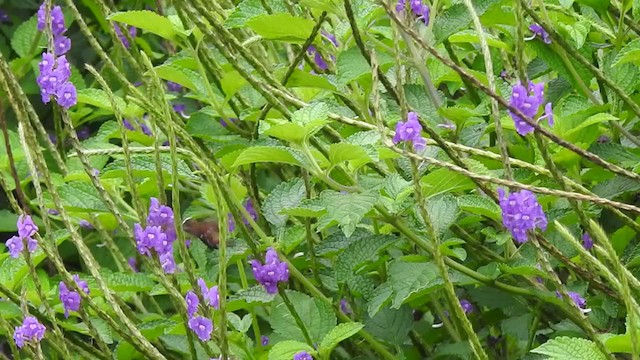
(320, 179)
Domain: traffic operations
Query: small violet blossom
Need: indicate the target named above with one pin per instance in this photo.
(71, 299)
(132, 264)
(264, 340)
(86, 225)
(271, 272)
(202, 327)
(159, 235)
(466, 306)
(192, 303)
(410, 131)
(30, 330)
(539, 31)
(123, 38)
(302, 355)
(175, 87)
(587, 242)
(577, 300)
(521, 212)
(420, 10)
(528, 101)
(4, 17)
(344, 307)
(26, 230)
(248, 206)
(211, 295)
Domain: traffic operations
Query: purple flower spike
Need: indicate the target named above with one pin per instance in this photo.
(70, 299)
(26, 226)
(538, 31)
(168, 263)
(192, 303)
(466, 306)
(410, 131)
(81, 283)
(587, 242)
(272, 272)
(264, 340)
(251, 210)
(30, 330)
(317, 57)
(331, 38)
(211, 295)
(521, 212)
(302, 355)
(57, 19)
(420, 10)
(202, 327)
(528, 101)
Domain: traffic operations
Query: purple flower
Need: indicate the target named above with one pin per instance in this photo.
(466, 306)
(142, 245)
(132, 264)
(272, 272)
(26, 226)
(528, 101)
(251, 210)
(123, 38)
(537, 30)
(587, 242)
(47, 63)
(224, 123)
(521, 212)
(54, 81)
(202, 327)
(410, 131)
(264, 340)
(175, 87)
(211, 295)
(30, 330)
(302, 355)
(83, 133)
(127, 125)
(62, 44)
(344, 307)
(70, 299)
(57, 19)
(180, 109)
(167, 262)
(86, 225)
(192, 303)
(4, 17)
(67, 95)
(331, 38)
(15, 246)
(145, 129)
(53, 212)
(231, 224)
(577, 300)
(160, 215)
(317, 57)
(420, 10)
(81, 283)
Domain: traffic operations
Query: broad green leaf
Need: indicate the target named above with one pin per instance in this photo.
(303, 79)
(81, 195)
(566, 348)
(99, 99)
(457, 17)
(351, 65)
(338, 241)
(408, 278)
(203, 124)
(476, 204)
(578, 32)
(258, 154)
(470, 36)
(619, 185)
(282, 27)
(181, 75)
(145, 166)
(8, 221)
(443, 212)
(285, 350)
(248, 9)
(180, 344)
(284, 196)
(120, 282)
(629, 53)
(239, 324)
(345, 209)
(148, 21)
(317, 316)
(391, 325)
(380, 297)
(311, 114)
(340, 152)
(9, 310)
(338, 334)
(24, 37)
(153, 329)
(243, 298)
(443, 181)
(293, 132)
(358, 253)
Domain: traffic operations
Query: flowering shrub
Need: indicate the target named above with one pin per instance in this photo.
(337, 179)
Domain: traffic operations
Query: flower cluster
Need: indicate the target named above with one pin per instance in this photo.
(159, 235)
(528, 101)
(272, 272)
(26, 230)
(420, 10)
(410, 131)
(202, 326)
(30, 330)
(587, 242)
(71, 299)
(521, 212)
(123, 38)
(302, 355)
(317, 57)
(55, 70)
(539, 31)
(248, 205)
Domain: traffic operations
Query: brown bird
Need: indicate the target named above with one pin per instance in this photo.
(207, 231)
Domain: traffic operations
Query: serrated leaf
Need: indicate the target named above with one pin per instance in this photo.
(476, 204)
(203, 124)
(120, 282)
(284, 196)
(443, 181)
(341, 152)
(148, 21)
(345, 209)
(258, 154)
(248, 9)
(380, 297)
(351, 65)
(338, 241)
(282, 27)
(457, 18)
(285, 350)
(81, 195)
(255, 294)
(99, 99)
(566, 348)
(24, 37)
(181, 75)
(619, 185)
(407, 278)
(145, 166)
(629, 53)
(239, 324)
(358, 253)
(311, 114)
(391, 325)
(9, 310)
(443, 212)
(317, 316)
(338, 334)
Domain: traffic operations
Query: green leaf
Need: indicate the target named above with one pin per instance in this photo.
(391, 325)
(311, 114)
(408, 278)
(241, 325)
(145, 166)
(9, 310)
(338, 334)
(303, 79)
(480, 205)
(380, 297)
(24, 38)
(282, 27)
(284, 196)
(181, 75)
(272, 154)
(340, 152)
(612, 188)
(81, 195)
(338, 241)
(203, 124)
(566, 348)
(248, 9)
(148, 21)
(99, 99)
(285, 350)
(443, 212)
(351, 65)
(317, 316)
(444, 181)
(256, 294)
(345, 209)
(8, 221)
(120, 282)
(629, 53)
(457, 17)
(358, 253)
